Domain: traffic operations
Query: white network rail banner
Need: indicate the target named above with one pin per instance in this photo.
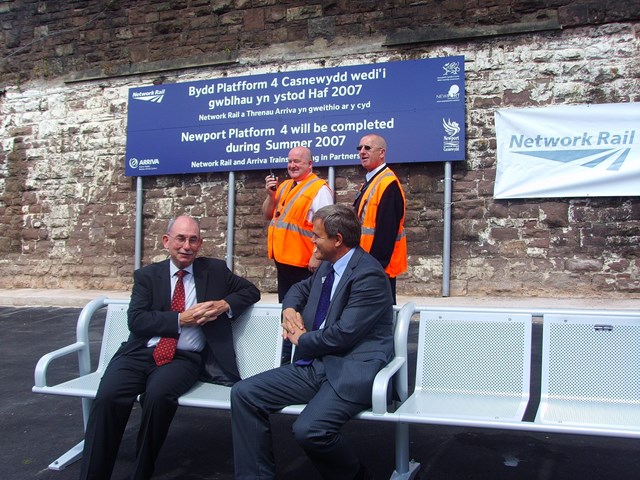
(568, 151)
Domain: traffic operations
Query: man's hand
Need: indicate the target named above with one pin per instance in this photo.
(292, 325)
(204, 312)
(271, 185)
(269, 204)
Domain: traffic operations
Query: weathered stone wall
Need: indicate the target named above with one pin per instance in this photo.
(68, 210)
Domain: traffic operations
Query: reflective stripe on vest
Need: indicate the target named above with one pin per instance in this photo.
(398, 261)
(289, 241)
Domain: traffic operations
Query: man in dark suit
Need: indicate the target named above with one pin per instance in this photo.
(208, 296)
(338, 353)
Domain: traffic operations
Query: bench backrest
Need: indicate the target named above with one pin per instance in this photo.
(590, 362)
(256, 336)
(115, 332)
(483, 355)
(257, 339)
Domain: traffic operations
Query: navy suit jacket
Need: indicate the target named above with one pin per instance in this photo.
(150, 312)
(357, 339)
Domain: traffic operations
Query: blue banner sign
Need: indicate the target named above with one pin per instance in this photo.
(251, 123)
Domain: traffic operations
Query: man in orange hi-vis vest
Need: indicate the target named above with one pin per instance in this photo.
(290, 206)
(380, 205)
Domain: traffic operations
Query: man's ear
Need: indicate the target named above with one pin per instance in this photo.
(339, 239)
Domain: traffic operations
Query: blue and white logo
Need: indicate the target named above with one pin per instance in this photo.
(153, 96)
(451, 141)
(568, 151)
(451, 68)
(450, 72)
(612, 157)
(452, 95)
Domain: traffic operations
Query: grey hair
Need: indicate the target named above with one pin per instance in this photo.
(173, 220)
(341, 219)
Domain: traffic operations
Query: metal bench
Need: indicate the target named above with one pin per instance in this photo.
(256, 337)
(591, 374)
(258, 344)
(473, 370)
(472, 367)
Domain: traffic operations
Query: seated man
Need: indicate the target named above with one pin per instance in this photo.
(340, 320)
(179, 317)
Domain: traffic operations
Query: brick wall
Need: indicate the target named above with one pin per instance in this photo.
(68, 210)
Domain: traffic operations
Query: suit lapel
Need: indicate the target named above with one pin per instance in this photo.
(200, 279)
(163, 274)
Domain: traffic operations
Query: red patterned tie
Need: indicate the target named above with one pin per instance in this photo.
(166, 347)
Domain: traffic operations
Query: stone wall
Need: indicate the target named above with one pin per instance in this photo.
(68, 210)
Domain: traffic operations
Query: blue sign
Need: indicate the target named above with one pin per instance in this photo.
(251, 123)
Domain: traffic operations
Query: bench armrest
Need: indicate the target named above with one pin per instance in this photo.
(40, 374)
(379, 392)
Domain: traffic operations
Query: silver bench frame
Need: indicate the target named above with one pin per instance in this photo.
(258, 344)
(607, 342)
(571, 340)
(591, 374)
(256, 337)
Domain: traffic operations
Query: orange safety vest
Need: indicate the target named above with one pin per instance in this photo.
(289, 234)
(368, 212)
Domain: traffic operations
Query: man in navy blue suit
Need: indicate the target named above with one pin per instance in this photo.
(210, 296)
(335, 361)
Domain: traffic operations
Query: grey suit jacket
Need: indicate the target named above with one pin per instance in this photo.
(357, 339)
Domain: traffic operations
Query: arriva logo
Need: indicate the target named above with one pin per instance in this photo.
(575, 148)
(144, 163)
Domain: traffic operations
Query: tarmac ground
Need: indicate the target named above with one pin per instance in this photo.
(36, 429)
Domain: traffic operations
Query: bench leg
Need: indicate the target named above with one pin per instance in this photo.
(405, 469)
(68, 458)
(75, 453)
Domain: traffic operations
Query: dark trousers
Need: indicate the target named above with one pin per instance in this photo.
(317, 428)
(289, 275)
(127, 376)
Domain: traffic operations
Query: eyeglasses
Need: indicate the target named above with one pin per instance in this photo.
(180, 239)
(368, 147)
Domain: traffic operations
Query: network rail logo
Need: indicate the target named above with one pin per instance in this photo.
(152, 96)
(603, 149)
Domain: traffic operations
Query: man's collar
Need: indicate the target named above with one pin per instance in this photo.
(341, 264)
(173, 269)
(374, 172)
